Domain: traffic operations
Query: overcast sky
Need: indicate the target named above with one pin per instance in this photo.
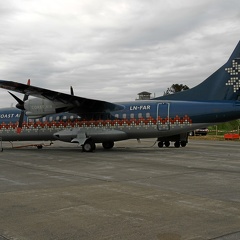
(113, 49)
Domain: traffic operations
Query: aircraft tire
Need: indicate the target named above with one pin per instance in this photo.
(89, 146)
(183, 143)
(177, 144)
(167, 144)
(108, 145)
(160, 144)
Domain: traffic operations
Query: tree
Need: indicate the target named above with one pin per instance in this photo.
(176, 88)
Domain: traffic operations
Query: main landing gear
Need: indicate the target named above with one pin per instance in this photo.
(90, 145)
(177, 144)
(162, 144)
(179, 140)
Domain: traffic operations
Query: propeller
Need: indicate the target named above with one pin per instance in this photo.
(71, 90)
(20, 105)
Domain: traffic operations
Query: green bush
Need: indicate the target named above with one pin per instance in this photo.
(225, 127)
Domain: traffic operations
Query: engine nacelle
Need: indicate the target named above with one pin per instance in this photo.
(39, 107)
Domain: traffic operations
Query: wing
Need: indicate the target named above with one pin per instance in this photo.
(80, 105)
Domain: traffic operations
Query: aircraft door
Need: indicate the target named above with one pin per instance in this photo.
(163, 120)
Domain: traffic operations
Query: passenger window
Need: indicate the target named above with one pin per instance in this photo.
(116, 115)
(124, 116)
(140, 115)
(57, 118)
(148, 115)
(132, 115)
(50, 119)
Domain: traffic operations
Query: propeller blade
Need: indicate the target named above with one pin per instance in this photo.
(25, 98)
(20, 104)
(71, 90)
(20, 123)
(19, 130)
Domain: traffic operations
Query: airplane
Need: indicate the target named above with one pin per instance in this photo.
(50, 115)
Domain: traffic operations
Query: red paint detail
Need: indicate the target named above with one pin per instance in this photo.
(100, 123)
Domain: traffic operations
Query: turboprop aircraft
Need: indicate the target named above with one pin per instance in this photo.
(53, 115)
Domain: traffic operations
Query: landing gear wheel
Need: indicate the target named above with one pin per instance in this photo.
(160, 144)
(177, 144)
(183, 143)
(108, 145)
(39, 146)
(167, 144)
(89, 146)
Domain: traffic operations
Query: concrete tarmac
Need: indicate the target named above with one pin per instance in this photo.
(134, 191)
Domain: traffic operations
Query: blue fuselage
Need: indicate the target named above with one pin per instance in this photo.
(138, 119)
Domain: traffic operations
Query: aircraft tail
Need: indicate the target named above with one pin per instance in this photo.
(224, 84)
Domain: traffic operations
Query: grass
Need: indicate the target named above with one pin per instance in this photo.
(208, 137)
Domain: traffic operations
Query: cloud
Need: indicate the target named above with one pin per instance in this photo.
(112, 50)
